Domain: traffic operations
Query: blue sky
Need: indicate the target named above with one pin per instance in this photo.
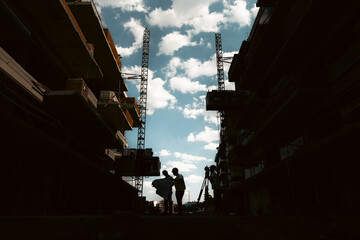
(182, 68)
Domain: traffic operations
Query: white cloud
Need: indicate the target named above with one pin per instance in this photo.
(164, 153)
(195, 68)
(206, 23)
(171, 68)
(173, 42)
(190, 158)
(209, 135)
(185, 85)
(229, 85)
(180, 13)
(158, 97)
(211, 117)
(211, 146)
(194, 179)
(137, 30)
(161, 18)
(192, 113)
(194, 110)
(125, 5)
(198, 16)
(182, 166)
(197, 109)
(236, 12)
(254, 10)
(148, 189)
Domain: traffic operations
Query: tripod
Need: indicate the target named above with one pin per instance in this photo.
(205, 185)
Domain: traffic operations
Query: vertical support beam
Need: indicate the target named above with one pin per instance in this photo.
(142, 103)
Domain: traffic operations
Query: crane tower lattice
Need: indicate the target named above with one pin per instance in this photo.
(142, 103)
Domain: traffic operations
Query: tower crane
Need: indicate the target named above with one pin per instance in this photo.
(221, 87)
(220, 77)
(139, 180)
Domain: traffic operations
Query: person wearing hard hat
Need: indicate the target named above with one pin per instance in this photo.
(179, 188)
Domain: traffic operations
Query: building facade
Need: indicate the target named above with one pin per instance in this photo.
(64, 111)
(293, 121)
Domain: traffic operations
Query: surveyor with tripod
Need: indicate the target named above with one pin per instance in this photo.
(215, 184)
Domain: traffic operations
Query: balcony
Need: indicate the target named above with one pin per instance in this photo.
(77, 115)
(105, 50)
(56, 35)
(130, 104)
(118, 117)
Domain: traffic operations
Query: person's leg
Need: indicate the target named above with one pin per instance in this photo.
(166, 202)
(170, 203)
(170, 206)
(217, 199)
(179, 196)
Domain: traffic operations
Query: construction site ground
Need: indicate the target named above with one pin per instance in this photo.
(130, 226)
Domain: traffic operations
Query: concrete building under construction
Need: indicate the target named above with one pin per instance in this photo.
(64, 112)
(292, 124)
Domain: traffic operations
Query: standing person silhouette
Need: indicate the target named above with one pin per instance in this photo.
(215, 183)
(167, 199)
(179, 187)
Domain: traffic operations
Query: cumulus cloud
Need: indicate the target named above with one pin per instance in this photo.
(158, 97)
(211, 117)
(211, 146)
(208, 135)
(181, 165)
(161, 18)
(254, 10)
(192, 113)
(180, 13)
(185, 85)
(125, 5)
(199, 18)
(164, 153)
(206, 23)
(194, 67)
(137, 30)
(194, 178)
(173, 42)
(237, 12)
(190, 158)
(197, 109)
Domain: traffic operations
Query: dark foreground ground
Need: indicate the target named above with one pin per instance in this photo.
(125, 226)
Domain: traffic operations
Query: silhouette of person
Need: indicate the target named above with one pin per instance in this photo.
(215, 183)
(179, 188)
(167, 199)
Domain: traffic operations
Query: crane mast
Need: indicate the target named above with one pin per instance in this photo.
(221, 87)
(142, 103)
(219, 62)
(220, 76)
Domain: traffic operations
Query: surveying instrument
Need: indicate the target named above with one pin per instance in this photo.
(205, 185)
